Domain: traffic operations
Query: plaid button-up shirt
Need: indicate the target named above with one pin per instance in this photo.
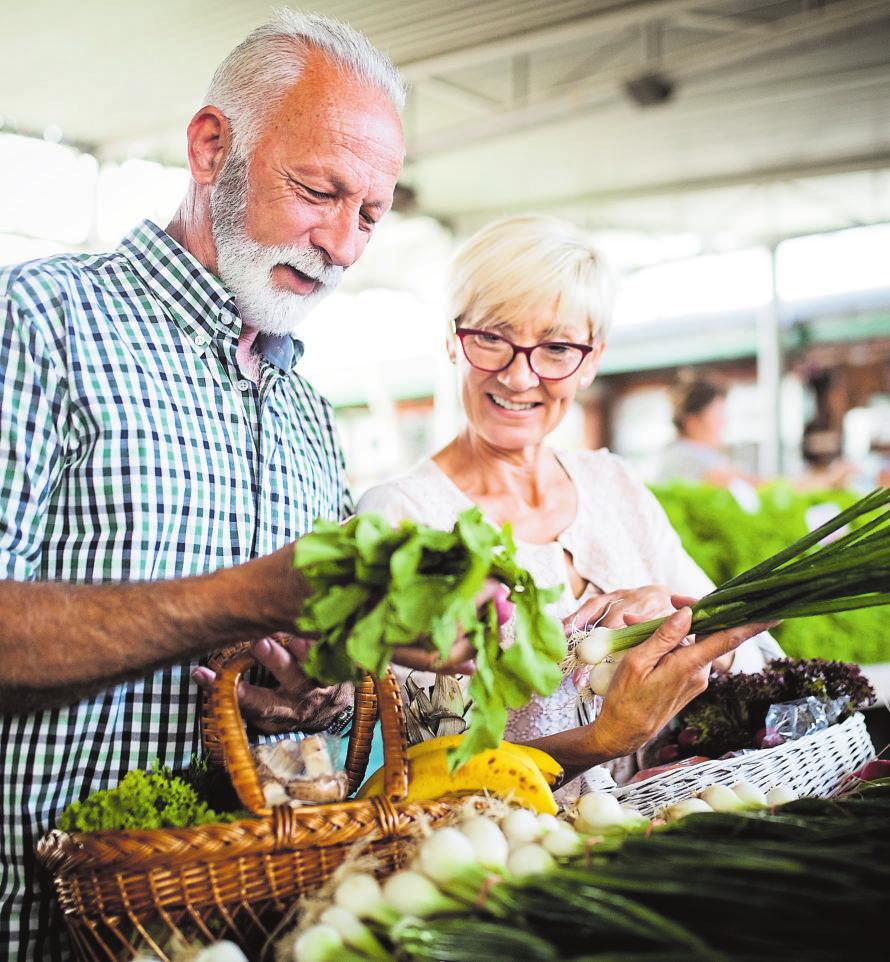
(132, 448)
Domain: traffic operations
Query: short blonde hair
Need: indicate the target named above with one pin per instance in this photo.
(531, 263)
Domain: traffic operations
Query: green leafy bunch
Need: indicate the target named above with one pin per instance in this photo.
(143, 799)
(729, 714)
(373, 587)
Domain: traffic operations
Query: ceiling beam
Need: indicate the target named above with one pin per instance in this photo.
(879, 160)
(792, 31)
(617, 17)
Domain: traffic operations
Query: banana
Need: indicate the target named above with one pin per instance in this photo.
(497, 770)
(550, 768)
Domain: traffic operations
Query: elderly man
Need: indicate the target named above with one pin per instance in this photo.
(160, 450)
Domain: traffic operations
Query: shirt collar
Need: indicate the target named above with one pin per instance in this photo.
(197, 298)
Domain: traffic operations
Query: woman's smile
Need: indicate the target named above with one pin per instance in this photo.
(510, 407)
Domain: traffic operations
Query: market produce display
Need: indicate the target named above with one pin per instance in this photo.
(374, 587)
(807, 880)
(725, 539)
(813, 576)
(732, 713)
(512, 771)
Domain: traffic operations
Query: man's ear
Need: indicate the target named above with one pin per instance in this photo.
(209, 142)
(591, 364)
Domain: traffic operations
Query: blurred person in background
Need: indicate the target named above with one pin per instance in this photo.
(822, 451)
(697, 453)
(531, 303)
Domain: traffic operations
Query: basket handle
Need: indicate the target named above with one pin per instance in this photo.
(225, 739)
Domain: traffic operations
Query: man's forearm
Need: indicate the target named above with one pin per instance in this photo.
(60, 641)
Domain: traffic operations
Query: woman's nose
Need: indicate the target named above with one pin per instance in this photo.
(518, 375)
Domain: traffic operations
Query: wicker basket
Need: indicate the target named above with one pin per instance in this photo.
(813, 766)
(126, 891)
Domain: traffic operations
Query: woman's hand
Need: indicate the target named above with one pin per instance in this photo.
(609, 610)
(658, 678)
(653, 683)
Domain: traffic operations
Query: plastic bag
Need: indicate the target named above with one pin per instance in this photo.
(806, 716)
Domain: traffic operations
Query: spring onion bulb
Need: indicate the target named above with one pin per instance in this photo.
(353, 932)
(521, 826)
(689, 806)
(721, 798)
(750, 795)
(490, 845)
(563, 842)
(446, 854)
(780, 795)
(321, 943)
(594, 646)
(549, 823)
(361, 894)
(530, 859)
(411, 893)
(598, 811)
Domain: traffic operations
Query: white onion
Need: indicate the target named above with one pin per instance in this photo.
(489, 842)
(550, 823)
(601, 677)
(410, 893)
(750, 794)
(321, 943)
(446, 854)
(223, 951)
(360, 894)
(530, 859)
(599, 810)
(721, 798)
(594, 646)
(689, 806)
(563, 842)
(521, 826)
(780, 795)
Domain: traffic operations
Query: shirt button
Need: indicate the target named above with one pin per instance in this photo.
(243, 385)
(202, 340)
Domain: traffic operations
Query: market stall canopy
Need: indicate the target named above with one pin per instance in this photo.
(650, 115)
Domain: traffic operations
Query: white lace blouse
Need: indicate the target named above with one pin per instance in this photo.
(620, 538)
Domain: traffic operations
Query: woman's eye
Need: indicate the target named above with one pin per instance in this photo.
(558, 350)
(488, 338)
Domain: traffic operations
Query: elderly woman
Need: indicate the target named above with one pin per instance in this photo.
(530, 302)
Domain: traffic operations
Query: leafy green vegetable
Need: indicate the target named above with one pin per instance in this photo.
(374, 587)
(725, 540)
(143, 799)
(729, 714)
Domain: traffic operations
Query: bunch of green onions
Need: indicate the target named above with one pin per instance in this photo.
(807, 578)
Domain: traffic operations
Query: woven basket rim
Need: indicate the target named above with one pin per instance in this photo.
(815, 764)
(856, 720)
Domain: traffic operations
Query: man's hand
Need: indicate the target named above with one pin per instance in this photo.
(296, 704)
(460, 658)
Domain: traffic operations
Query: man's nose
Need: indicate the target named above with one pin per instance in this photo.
(518, 375)
(340, 237)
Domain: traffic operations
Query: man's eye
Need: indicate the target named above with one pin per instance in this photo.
(367, 218)
(318, 194)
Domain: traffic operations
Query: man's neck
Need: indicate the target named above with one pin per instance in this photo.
(190, 228)
(248, 362)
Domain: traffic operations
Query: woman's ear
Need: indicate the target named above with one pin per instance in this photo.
(451, 347)
(591, 364)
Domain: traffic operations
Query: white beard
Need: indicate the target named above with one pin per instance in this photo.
(245, 266)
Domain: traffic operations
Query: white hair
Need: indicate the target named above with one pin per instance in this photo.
(264, 66)
(519, 265)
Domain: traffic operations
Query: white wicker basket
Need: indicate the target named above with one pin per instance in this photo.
(812, 766)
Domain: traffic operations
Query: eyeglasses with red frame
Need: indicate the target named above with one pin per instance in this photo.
(549, 360)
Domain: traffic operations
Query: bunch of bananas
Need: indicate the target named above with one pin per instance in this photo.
(519, 772)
